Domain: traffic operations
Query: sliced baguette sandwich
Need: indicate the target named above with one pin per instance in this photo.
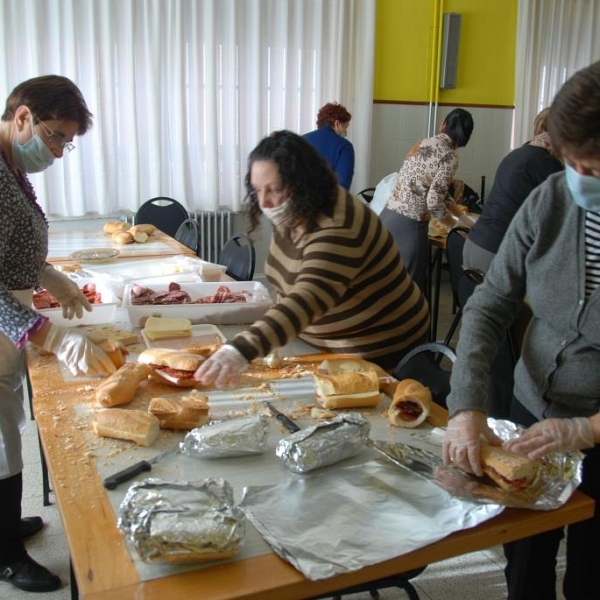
(410, 405)
(347, 390)
(172, 367)
(511, 471)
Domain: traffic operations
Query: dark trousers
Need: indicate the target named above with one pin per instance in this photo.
(531, 562)
(11, 546)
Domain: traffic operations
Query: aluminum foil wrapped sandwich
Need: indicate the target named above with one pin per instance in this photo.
(324, 444)
(181, 521)
(224, 439)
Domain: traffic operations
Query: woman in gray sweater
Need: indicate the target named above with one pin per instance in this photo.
(551, 254)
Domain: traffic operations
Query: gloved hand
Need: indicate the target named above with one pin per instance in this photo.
(79, 354)
(223, 367)
(67, 292)
(554, 435)
(462, 442)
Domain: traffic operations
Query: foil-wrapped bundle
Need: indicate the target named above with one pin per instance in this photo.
(224, 439)
(324, 444)
(181, 521)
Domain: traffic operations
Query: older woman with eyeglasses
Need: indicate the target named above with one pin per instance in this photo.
(41, 118)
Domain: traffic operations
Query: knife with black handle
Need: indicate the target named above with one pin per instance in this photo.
(111, 482)
(283, 419)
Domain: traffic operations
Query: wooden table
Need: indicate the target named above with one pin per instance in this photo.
(105, 570)
(61, 244)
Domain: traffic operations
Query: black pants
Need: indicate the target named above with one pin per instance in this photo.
(11, 546)
(531, 562)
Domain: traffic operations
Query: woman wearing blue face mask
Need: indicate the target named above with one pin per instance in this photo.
(41, 117)
(551, 255)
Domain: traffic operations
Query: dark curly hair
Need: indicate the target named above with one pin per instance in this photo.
(459, 126)
(574, 119)
(305, 176)
(50, 97)
(332, 112)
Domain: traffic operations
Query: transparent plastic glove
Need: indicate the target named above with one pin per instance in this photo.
(67, 292)
(79, 354)
(554, 435)
(223, 368)
(462, 442)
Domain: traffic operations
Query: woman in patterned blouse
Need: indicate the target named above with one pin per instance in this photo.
(421, 191)
(341, 284)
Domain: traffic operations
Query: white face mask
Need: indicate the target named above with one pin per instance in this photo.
(278, 214)
(33, 156)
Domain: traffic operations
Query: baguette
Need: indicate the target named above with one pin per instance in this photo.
(184, 413)
(137, 426)
(411, 404)
(120, 387)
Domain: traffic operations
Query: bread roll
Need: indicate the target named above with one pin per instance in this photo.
(142, 228)
(115, 351)
(120, 387)
(184, 413)
(122, 237)
(411, 404)
(115, 226)
(135, 425)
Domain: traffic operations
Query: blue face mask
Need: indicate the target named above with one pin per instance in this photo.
(585, 189)
(33, 156)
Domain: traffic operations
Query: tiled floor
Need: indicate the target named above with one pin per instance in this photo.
(475, 576)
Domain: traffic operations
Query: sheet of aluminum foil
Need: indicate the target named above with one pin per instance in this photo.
(341, 519)
(558, 477)
(228, 438)
(182, 522)
(324, 444)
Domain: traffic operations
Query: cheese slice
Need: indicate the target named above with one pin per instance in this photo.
(160, 328)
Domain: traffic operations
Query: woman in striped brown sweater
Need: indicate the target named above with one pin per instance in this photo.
(341, 284)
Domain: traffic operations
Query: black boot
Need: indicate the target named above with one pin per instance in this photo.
(30, 526)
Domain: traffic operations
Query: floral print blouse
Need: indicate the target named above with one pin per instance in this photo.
(424, 178)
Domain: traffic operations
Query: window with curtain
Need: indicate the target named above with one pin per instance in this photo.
(555, 38)
(182, 90)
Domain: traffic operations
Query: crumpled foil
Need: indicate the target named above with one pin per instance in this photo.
(324, 444)
(235, 437)
(181, 521)
(558, 477)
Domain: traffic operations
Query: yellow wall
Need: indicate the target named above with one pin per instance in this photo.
(406, 37)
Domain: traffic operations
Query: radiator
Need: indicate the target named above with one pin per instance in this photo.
(214, 229)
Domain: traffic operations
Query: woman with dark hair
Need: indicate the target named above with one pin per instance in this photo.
(330, 141)
(551, 254)
(341, 285)
(41, 118)
(519, 172)
(421, 191)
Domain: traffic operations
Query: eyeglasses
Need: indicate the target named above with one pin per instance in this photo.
(56, 139)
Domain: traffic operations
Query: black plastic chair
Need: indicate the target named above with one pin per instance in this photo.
(401, 581)
(239, 256)
(454, 251)
(426, 364)
(188, 234)
(367, 194)
(165, 213)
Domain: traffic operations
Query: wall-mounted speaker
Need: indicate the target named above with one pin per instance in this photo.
(450, 39)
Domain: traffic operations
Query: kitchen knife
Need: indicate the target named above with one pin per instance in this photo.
(111, 482)
(285, 421)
